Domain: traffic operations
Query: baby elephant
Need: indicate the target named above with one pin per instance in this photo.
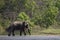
(22, 27)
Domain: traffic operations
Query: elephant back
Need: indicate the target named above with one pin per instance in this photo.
(17, 22)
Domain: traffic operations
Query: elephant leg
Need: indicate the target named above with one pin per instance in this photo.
(9, 34)
(29, 31)
(20, 32)
(24, 32)
(13, 33)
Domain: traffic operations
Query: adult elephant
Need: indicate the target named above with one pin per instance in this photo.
(22, 27)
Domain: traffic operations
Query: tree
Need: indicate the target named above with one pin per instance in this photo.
(46, 14)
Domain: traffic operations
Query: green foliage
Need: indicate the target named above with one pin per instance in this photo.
(58, 4)
(50, 16)
(23, 16)
(46, 18)
(2, 3)
(30, 4)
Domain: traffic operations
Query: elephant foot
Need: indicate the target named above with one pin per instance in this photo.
(25, 34)
(20, 34)
(13, 34)
(9, 35)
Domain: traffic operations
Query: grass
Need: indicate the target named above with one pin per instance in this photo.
(49, 31)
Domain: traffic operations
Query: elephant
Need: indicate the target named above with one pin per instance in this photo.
(22, 27)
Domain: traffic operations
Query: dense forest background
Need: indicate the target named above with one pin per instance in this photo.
(42, 13)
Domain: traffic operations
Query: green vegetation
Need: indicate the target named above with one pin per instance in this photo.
(42, 13)
(49, 31)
